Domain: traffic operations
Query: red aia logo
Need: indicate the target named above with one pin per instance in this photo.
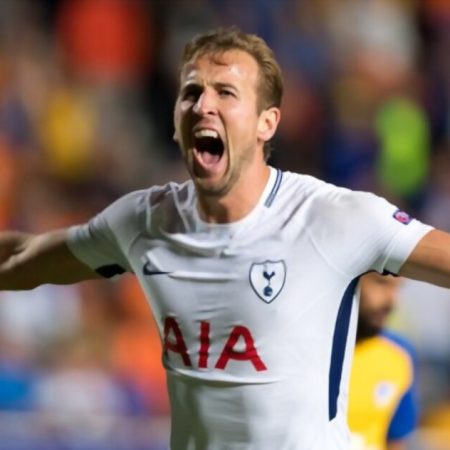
(174, 342)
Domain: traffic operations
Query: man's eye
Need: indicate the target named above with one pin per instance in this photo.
(191, 95)
(226, 93)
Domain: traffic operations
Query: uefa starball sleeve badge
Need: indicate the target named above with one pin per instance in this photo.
(402, 217)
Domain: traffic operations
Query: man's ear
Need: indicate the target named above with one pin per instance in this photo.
(267, 123)
(176, 114)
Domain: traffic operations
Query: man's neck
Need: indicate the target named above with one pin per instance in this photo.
(238, 202)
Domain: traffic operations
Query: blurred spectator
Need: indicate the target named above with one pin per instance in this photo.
(68, 127)
(86, 102)
(9, 172)
(136, 349)
(106, 40)
(437, 425)
(437, 207)
(404, 150)
(77, 384)
(37, 317)
(17, 375)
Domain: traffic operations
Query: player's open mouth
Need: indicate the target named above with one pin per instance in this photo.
(208, 148)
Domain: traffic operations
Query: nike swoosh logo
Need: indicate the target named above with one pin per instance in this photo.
(146, 270)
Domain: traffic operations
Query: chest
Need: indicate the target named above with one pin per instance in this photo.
(239, 299)
(270, 278)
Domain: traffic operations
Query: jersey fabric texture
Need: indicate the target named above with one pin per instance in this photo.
(382, 402)
(257, 317)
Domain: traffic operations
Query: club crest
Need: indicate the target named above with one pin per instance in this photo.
(384, 393)
(267, 279)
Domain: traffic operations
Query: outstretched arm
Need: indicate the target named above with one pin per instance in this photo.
(430, 260)
(27, 260)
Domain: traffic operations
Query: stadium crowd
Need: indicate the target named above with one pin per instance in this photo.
(86, 95)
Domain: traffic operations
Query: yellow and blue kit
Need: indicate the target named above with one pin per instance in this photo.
(382, 401)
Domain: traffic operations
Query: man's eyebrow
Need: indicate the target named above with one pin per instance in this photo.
(190, 82)
(221, 84)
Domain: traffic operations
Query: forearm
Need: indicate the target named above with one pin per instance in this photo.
(430, 260)
(12, 245)
(27, 261)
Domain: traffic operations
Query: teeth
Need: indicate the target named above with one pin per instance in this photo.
(206, 133)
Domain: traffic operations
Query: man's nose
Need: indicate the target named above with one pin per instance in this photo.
(206, 103)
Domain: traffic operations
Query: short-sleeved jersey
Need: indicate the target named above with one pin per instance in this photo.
(258, 316)
(382, 401)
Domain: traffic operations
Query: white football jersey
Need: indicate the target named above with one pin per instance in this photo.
(257, 317)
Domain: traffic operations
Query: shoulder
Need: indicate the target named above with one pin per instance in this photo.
(401, 342)
(323, 194)
(301, 183)
(155, 195)
(169, 192)
(132, 212)
(141, 202)
(398, 353)
(397, 356)
(325, 206)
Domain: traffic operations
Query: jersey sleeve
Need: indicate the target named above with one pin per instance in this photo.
(103, 242)
(405, 418)
(357, 232)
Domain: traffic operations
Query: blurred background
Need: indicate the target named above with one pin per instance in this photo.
(86, 95)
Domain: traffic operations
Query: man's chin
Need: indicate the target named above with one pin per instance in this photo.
(209, 188)
(217, 185)
(366, 331)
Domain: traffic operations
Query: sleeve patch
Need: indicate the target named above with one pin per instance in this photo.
(402, 217)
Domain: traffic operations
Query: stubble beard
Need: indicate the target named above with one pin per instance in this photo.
(366, 330)
(228, 180)
(218, 190)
